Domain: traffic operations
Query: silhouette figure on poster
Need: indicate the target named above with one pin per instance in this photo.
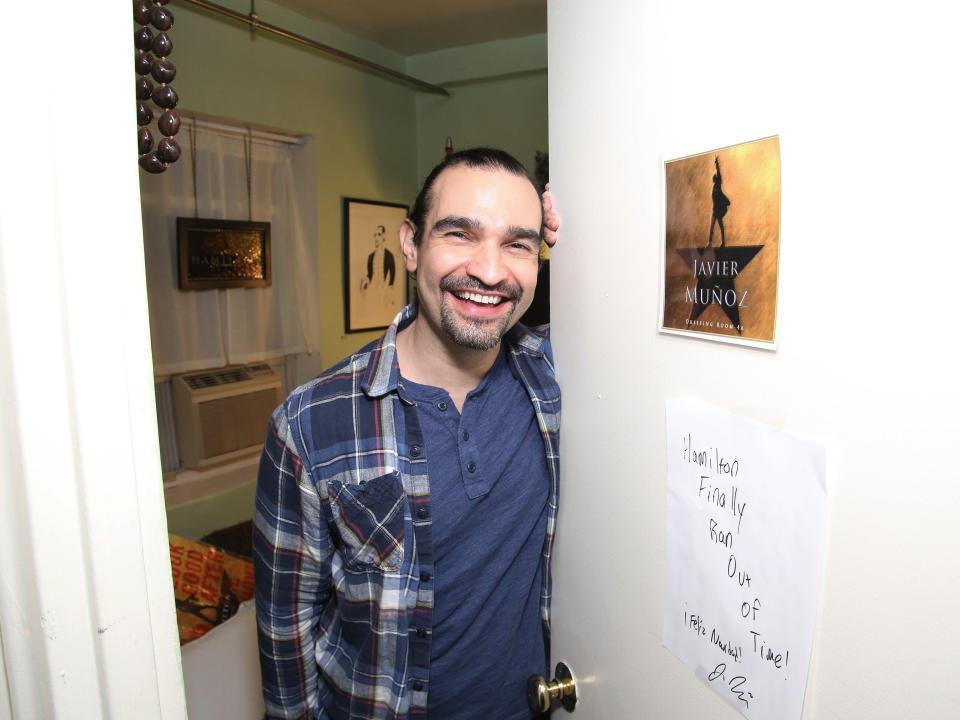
(720, 204)
(716, 270)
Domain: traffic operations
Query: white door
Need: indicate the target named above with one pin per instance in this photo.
(863, 99)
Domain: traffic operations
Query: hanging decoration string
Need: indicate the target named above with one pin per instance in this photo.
(152, 56)
(248, 162)
(193, 165)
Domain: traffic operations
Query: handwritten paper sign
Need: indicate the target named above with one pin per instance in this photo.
(746, 512)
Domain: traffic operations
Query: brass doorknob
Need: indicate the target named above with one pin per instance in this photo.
(542, 694)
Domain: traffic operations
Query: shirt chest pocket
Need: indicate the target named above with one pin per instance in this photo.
(370, 520)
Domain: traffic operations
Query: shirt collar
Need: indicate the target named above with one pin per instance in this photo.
(383, 371)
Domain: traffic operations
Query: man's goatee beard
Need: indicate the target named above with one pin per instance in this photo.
(474, 333)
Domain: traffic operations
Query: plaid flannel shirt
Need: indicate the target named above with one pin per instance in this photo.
(343, 530)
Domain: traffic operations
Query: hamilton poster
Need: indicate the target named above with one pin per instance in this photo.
(722, 244)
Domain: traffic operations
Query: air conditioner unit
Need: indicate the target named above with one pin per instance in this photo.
(223, 414)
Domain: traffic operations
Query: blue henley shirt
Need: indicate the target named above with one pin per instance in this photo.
(488, 485)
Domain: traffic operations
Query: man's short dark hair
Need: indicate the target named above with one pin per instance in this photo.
(478, 157)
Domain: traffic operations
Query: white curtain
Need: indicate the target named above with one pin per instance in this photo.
(210, 328)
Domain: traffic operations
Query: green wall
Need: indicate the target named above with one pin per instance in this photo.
(364, 126)
(200, 516)
(498, 98)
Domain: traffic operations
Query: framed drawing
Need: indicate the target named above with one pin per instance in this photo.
(374, 279)
(216, 254)
(721, 244)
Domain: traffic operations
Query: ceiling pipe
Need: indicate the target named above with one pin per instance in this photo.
(255, 23)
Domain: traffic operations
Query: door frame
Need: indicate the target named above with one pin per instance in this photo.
(87, 614)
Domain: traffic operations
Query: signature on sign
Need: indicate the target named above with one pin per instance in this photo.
(736, 683)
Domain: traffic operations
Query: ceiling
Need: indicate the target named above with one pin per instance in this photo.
(410, 27)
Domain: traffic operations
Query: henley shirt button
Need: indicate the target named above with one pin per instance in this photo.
(423, 513)
(442, 405)
(425, 576)
(415, 450)
(472, 467)
(421, 632)
(418, 685)
(466, 435)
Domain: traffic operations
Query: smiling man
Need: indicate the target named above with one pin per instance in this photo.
(407, 497)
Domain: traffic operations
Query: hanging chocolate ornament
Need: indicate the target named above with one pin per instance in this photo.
(144, 140)
(151, 163)
(165, 96)
(143, 62)
(143, 38)
(144, 114)
(144, 88)
(161, 18)
(162, 45)
(141, 11)
(163, 70)
(168, 150)
(169, 123)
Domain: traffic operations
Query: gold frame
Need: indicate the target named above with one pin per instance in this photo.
(205, 260)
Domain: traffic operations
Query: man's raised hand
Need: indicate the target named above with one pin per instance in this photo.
(551, 219)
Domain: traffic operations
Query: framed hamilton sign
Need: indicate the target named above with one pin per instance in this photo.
(721, 244)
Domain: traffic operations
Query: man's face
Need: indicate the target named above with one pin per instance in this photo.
(478, 260)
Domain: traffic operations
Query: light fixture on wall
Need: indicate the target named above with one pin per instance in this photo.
(153, 52)
(448, 148)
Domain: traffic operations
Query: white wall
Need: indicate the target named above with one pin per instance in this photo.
(863, 96)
